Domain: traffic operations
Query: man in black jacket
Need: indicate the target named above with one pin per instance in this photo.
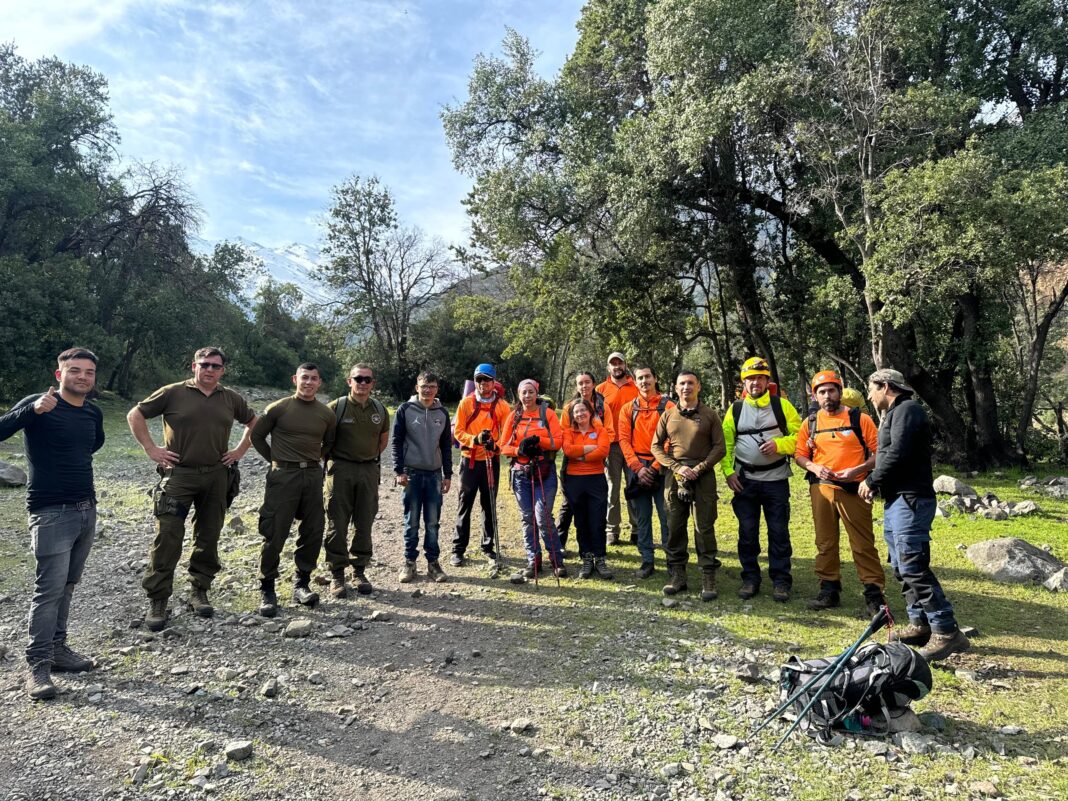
(902, 476)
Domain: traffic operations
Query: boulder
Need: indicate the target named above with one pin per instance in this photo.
(948, 485)
(1023, 508)
(994, 513)
(11, 476)
(1013, 560)
(1058, 582)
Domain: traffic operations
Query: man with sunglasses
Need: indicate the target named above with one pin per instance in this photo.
(62, 432)
(194, 464)
(353, 473)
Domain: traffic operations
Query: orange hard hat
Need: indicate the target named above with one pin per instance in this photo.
(826, 377)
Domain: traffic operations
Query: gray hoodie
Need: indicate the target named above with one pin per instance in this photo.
(422, 437)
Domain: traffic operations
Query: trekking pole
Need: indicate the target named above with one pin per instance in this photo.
(492, 484)
(534, 519)
(877, 622)
(549, 544)
(872, 628)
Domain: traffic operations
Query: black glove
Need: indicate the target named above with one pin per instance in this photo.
(485, 439)
(530, 447)
(685, 491)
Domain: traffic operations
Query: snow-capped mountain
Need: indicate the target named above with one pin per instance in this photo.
(291, 264)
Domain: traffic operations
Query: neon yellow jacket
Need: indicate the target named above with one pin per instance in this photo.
(784, 445)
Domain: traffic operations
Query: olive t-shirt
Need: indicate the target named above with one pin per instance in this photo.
(359, 430)
(196, 426)
(300, 430)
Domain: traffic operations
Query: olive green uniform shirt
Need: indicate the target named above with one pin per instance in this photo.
(300, 431)
(196, 426)
(696, 441)
(358, 432)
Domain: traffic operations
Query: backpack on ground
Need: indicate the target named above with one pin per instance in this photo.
(876, 685)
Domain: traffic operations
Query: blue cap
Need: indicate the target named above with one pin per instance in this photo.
(486, 369)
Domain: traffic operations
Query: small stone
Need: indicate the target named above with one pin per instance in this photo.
(748, 673)
(227, 674)
(987, 789)
(521, 725)
(968, 675)
(199, 782)
(316, 677)
(1058, 582)
(298, 628)
(180, 670)
(417, 593)
(1011, 731)
(269, 688)
(934, 721)
(875, 747)
(389, 667)
(380, 616)
(912, 743)
(1023, 508)
(670, 603)
(971, 632)
(140, 773)
(476, 654)
(725, 742)
(1026, 761)
(903, 720)
(338, 631)
(671, 770)
(238, 750)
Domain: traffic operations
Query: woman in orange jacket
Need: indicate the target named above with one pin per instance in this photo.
(531, 438)
(584, 390)
(586, 444)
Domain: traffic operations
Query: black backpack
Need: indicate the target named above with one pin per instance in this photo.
(780, 424)
(878, 679)
(854, 426)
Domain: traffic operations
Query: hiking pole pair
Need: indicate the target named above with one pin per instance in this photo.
(492, 485)
(881, 618)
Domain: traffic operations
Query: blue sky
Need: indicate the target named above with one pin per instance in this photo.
(266, 104)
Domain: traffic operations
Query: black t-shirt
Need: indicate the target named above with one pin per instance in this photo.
(59, 447)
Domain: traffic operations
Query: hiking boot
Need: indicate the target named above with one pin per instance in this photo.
(302, 591)
(407, 573)
(530, 570)
(268, 599)
(873, 599)
(337, 584)
(435, 573)
(748, 590)
(676, 581)
(199, 603)
(560, 571)
(359, 577)
(587, 566)
(830, 596)
(601, 566)
(781, 593)
(66, 660)
(647, 569)
(708, 585)
(912, 634)
(456, 560)
(38, 684)
(156, 617)
(941, 646)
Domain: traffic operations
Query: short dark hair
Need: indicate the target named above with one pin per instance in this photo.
(685, 371)
(649, 367)
(426, 377)
(211, 350)
(76, 353)
(309, 366)
(360, 366)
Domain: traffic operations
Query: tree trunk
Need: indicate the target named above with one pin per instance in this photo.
(991, 448)
(1035, 353)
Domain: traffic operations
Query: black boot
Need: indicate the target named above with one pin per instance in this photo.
(830, 596)
(874, 600)
(268, 598)
(302, 591)
(587, 566)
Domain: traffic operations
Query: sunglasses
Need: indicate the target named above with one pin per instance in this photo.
(760, 366)
(363, 379)
(209, 365)
(481, 378)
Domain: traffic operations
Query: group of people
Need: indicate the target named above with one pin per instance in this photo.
(620, 441)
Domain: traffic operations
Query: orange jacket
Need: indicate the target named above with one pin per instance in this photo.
(615, 398)
(635, 440)
(472, 418)
(608, 422)
(839, 449)
(528, 424)
(592, 463)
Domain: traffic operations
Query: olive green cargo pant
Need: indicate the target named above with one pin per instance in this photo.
(291, 493)
(351, 496)
(678, 518)
(179, 490)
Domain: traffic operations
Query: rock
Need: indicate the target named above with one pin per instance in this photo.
(11, 476)
(725, 742)
(1011, 731)
(1012, 560)
(669, 603)
(1058, 582)
(1028, 481)
(968, 675)
(298, 628)
(904, 721)
(227, 674)
(987, 789)
(748, 673)
(934, 721)
(971, 632)
(379, 615)
(237, 523)
(269, 688)
(140, 773)
(238, 750)
(315, 677)
(948, 485)
(1023, 508)
(994, 514)
(338, 631)
(912, 743)
(671, 770)
(521, 725)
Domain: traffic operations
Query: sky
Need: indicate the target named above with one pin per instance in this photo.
(265, 105)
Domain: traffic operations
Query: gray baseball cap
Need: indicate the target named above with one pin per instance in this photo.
(617, 355)
(892, 377)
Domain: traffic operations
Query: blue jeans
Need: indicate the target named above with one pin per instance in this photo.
(907, 531)
(642, 507)
(535, 498)
(61, 537)
(422, 499)
(774, 498)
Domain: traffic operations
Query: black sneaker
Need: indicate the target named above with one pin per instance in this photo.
(587, 566)
(156, 617)
(199, 603)
(38, 683)
(647, 569)
(456, 560)
(66, 660)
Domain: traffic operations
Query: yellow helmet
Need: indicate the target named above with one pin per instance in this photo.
(757, 365)
(852, 398)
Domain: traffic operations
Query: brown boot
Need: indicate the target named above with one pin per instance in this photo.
(708, 585)
(337, 584)
(911, 635)
(359, 575)
(941, 646)
(676, 580)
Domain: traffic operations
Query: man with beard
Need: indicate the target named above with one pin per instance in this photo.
(618, 391)
(760, 432)
(62, 432)
(836, 446)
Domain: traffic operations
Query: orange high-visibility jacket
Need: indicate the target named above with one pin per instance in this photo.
(615, 398)
(528, 424)
(592, 463)
(607, 421)
(635, 440)
(472, 418)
